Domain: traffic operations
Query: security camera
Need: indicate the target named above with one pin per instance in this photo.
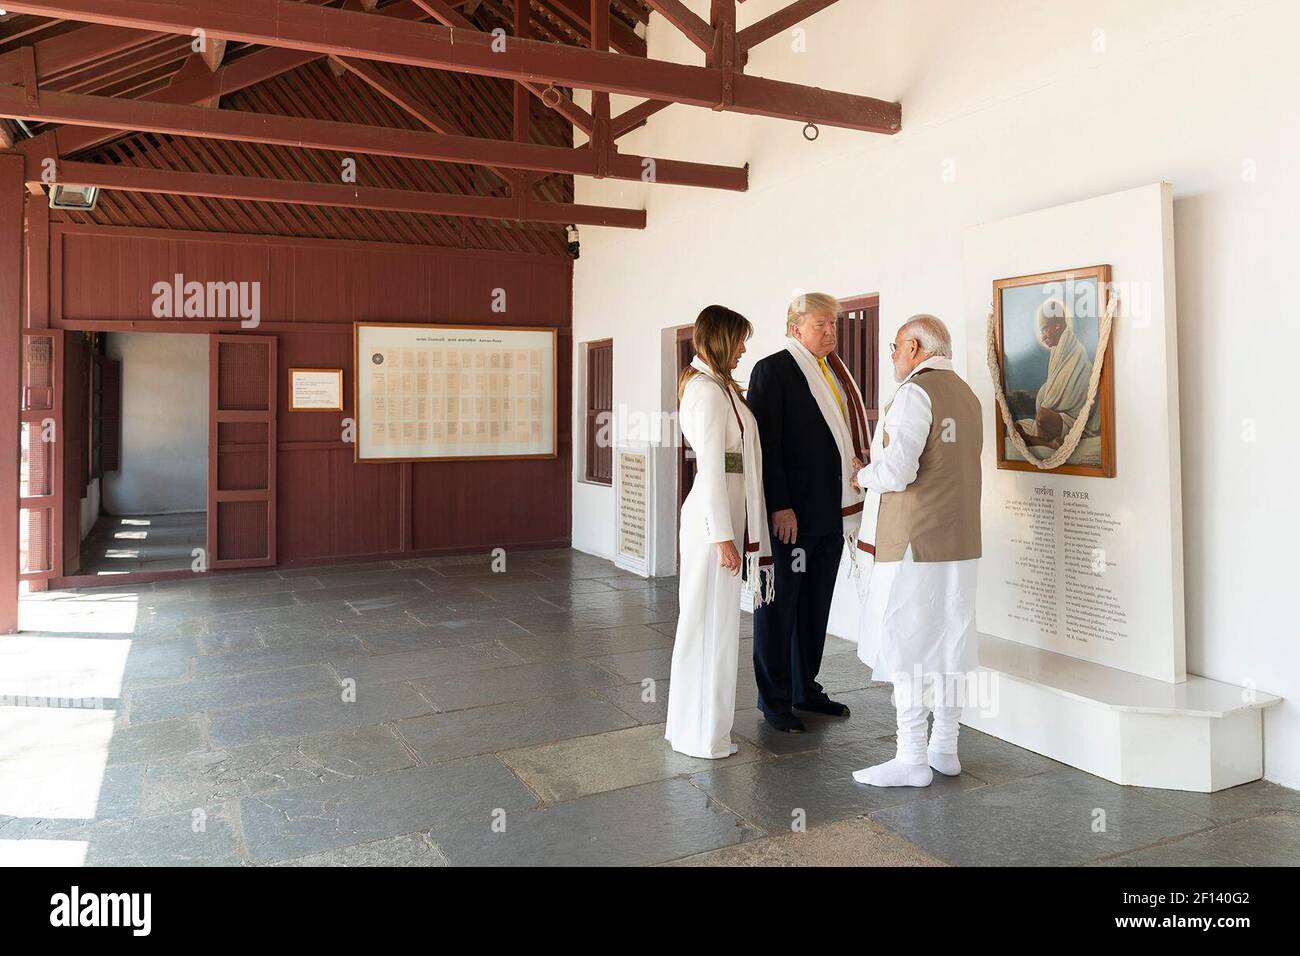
(571, 235)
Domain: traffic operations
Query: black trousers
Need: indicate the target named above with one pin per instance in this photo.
(790, 632)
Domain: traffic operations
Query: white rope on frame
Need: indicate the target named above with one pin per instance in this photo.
(1071, 440)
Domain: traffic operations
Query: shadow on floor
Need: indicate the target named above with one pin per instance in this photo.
(117, 544)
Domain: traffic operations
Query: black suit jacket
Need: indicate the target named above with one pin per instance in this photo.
(801, 461)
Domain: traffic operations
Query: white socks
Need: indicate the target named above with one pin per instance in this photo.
(895, 773)
(946, 764)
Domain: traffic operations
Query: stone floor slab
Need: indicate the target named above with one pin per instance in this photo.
(296, 823)
(1228, 806)
(418, 637)
(217, 775)
(635, 666)
(407, 850)
(254, 660)
(611, 761)
(156, 740)
(509, 726)
(375, 669)
(855, 842)
(223, 692)
(637, 826)
(646, 704)
(203, 836)
(311, 715)
(524, 682)
(1061, 817)
(588, 644)
(1271, 840)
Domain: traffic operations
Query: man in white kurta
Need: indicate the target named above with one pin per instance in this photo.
(917, 628)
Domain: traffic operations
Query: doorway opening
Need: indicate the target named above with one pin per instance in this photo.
(142, 457)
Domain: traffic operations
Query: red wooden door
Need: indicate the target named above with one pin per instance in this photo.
(40, 503)
(241, 450)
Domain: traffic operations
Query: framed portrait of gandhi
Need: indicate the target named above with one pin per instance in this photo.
(1047, 329)
(454, 392)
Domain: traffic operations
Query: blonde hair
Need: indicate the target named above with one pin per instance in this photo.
(810, 303)
(717, 337)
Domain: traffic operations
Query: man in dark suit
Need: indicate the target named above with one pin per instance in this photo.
(803, 480)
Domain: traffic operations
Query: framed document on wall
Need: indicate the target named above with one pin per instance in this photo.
(315, 389)
(453, 392)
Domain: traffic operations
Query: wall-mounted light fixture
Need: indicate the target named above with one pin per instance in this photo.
(78, 198)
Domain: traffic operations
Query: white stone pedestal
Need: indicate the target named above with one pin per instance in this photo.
(1199, 735)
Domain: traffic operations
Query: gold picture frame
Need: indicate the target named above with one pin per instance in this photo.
(1091, 284)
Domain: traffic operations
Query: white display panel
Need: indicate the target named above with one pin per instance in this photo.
(453, 392)
(1090, 566)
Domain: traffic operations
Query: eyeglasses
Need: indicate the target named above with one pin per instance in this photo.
(893, 346)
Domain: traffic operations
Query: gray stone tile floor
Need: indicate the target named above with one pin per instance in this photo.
(429, 712)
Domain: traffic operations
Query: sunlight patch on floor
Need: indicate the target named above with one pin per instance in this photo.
(62, 667)
(52, 761)
(94, 613)
(43, 852)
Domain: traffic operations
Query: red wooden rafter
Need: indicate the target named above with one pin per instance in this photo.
(325, 30)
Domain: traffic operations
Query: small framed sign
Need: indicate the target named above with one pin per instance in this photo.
(315, 389)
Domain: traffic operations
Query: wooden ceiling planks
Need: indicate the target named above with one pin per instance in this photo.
(482, 106)
(104, 60)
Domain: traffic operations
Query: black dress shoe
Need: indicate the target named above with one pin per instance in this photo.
(830, 708)
(786, 723)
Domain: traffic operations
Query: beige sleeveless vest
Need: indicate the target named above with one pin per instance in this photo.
(938, 514)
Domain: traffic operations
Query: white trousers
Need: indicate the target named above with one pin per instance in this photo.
(914, 701)
(702, 685)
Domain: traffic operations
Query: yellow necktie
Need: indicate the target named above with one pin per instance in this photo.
(830, 380)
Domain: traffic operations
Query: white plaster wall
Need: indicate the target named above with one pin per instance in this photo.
(89, 507)
(164, 424)
(1024, 104)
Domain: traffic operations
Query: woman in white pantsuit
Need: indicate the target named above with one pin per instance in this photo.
(723, 529)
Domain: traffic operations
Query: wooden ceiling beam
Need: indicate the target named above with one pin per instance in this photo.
(551, 98)
(214, 51)
(366, 71)
(70, 50)
(602, 143)
(686, 20)
(255, 189)
(198, 89)
(634, 117)
(325, 30)
(784, 19)
(306, 133)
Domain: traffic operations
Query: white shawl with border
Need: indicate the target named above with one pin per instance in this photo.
(759, 578)
(851, 437)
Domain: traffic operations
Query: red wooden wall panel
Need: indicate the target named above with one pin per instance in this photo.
(329, 506)
(350, 510)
